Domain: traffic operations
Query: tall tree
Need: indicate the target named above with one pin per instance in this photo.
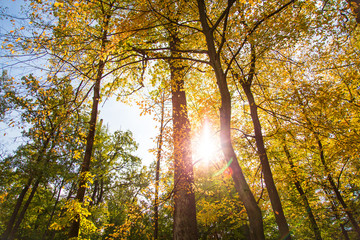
(185, 226)
(253, 210)
(49, 113)
(106, 10)
(246, 83)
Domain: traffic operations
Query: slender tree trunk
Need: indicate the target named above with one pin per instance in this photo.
(101, 193)
(74, 230)
(93, 196)
(9, 229)
(314, 225)
(245, 194)
(268, 177)
(157, 174)
(335, 211)
(19, 201)
(338, 195)
(53, 211)
(85, 167)
(24, 209)
(185, 225)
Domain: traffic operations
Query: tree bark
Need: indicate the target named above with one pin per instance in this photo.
(24, 209)
(19, 201)
(314, 225)
(75, 225)
(185, 225)
(338, 195)
(245, 194)
(157, 173)
(268, 177)
(9, 229)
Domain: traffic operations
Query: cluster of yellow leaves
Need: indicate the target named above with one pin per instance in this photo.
(3, 197)
(75, 210)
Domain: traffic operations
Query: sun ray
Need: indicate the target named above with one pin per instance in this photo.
(207, 146)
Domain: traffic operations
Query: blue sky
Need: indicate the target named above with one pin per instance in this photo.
(120, 116)
(116, 115)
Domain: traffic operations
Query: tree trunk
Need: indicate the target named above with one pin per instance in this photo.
(74, 230)
(157, 174)
(245, 194)
(335, 211)
(269, 181)
(338, 195)
(100, 196)
(53, 210)
(314, 225)
(95, 191)
(75, 225)
(9, 229)
(185, 226)
(268, 177)
(19, 201)
(24, 209)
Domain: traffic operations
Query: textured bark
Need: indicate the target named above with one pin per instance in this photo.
(245, 194)
(85, 167)
(185, 225)
(314, 225)
(157, 173)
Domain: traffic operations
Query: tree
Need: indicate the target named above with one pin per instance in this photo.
(254, 213)
(48, 112)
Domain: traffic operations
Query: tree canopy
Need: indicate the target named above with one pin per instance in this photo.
(257, 106)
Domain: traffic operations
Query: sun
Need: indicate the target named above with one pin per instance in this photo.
(207, 146)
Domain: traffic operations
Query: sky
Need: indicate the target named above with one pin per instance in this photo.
(119, 116)
(116, 115)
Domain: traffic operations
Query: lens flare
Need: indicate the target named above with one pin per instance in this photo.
(207, 146)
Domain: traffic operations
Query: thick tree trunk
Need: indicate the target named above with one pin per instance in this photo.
(85, 167)
(338, 195)
(157, 173)
(245, 194)
(314, 225)
(185, 225)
